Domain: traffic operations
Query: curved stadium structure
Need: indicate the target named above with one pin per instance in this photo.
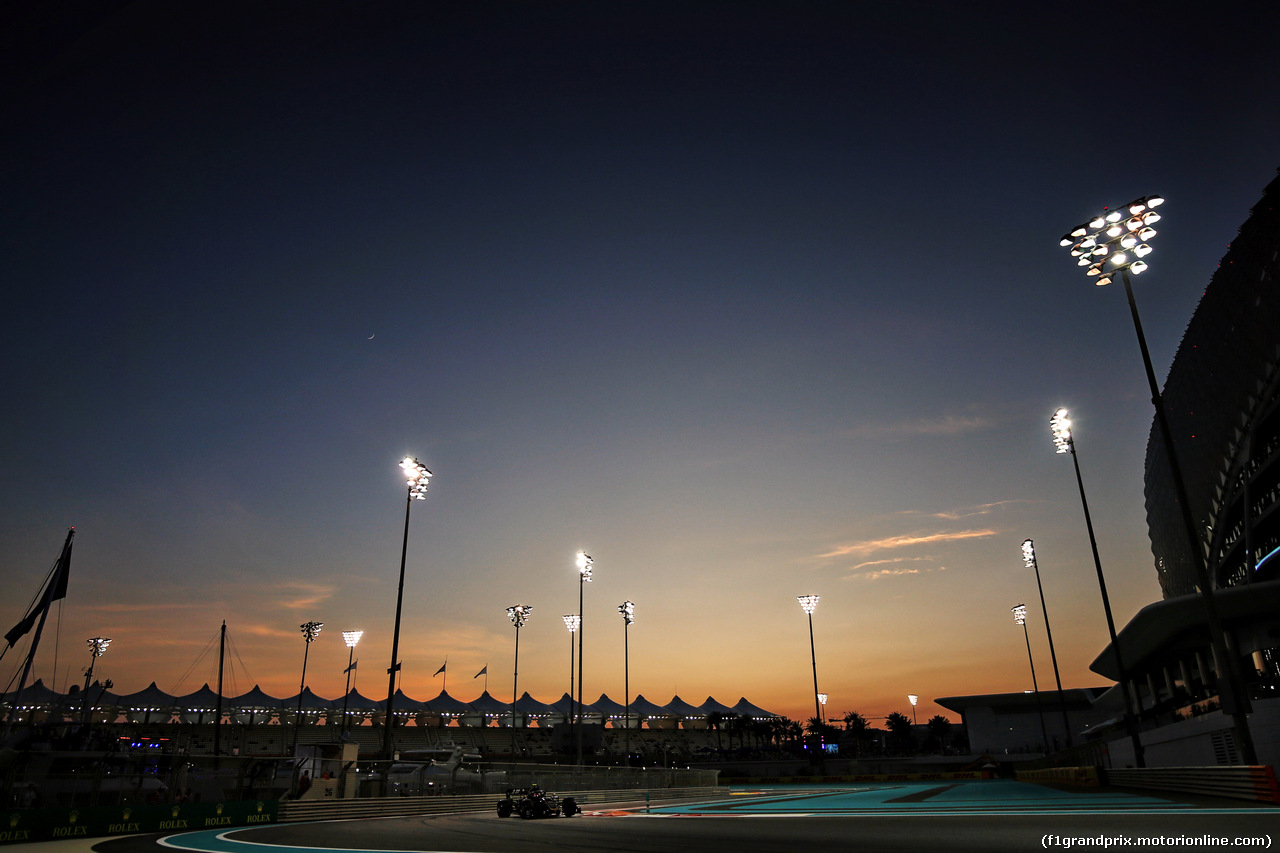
(1222, 397)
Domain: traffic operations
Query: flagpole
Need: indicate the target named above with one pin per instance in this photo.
(55, 589)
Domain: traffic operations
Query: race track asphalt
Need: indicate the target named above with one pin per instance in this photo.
(984, 816)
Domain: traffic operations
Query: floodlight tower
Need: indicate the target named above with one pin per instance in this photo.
(417, 478)
(1102, 247)
(1029, 560)
(1064, 440)
(1020, 618)
(97, 648)
(350, 638)
(628, 611)
(809, 603)
(310, 630)
(572, 621)
(518, 614)
(585, 564)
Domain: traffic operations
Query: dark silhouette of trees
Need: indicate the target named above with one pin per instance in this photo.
(859, 729)
(939, 729)
(900, 735)
(714, 721)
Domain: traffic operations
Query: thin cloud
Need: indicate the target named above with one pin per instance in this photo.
(297, 595)
(945, 425)
(870, 546)
(877, 574)
(963, 512)
(894, 561)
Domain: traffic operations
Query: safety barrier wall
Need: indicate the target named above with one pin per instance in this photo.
(303, 810)
(1085, 777)
(1256, 783)
(1241, 783)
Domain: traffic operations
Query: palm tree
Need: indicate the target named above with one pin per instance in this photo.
(713, 722)
(858, 727)
(899, 726)
(939, 728)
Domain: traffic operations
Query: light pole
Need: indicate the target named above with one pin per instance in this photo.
(97, 647)
(310, 630)
(1106, 240)
(417, 477)
(1060, 425)
(518, 614)
(571, 621)
(1020, 617)
(584, 563)
(1029, 560)
(809, 603)
(628, 611)
(913, 699)
(350, 638)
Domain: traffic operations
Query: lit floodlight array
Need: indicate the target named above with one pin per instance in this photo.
(311, 630)
(1019, 613)
(572, 621)
(352, 637)
(417, 476)
(1060, 423)
(98, 645)
(628, 611)
(519, 614)
(822, 698)
(808, 602)
(1028, 553)
(1113, 237)
(584, 565)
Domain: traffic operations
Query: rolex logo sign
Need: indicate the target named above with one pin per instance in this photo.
(220, 807)
(127, 813)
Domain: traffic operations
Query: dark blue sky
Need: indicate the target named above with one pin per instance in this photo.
(749, 300)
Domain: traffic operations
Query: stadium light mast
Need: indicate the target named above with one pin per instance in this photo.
(97, 648)
(1020, 618)
(518, 614)
(572, 621)
(628, 611)
(350, 638)
(913, 699)
(310, 630)
(417, 478)
(809, 603)
(585, 564)
(1029, 560)
(1103, 246)
(1064, 441)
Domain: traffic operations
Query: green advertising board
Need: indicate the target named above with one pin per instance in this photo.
(23, 825)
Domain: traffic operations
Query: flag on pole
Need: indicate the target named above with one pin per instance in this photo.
(441, 669)
(354, 664)
(484, 671)
(54, 590)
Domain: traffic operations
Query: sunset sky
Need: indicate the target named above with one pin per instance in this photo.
(747, 300)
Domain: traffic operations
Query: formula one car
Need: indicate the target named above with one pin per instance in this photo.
(534, 802)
